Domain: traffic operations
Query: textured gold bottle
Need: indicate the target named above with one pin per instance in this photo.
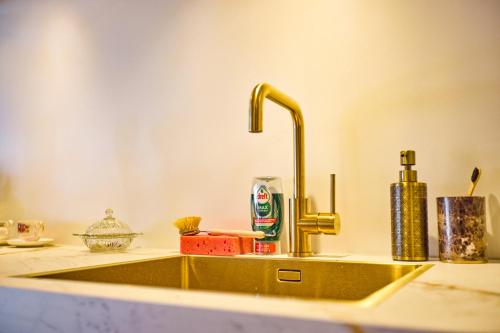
(409, 213)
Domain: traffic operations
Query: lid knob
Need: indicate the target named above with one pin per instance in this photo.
(109, 213)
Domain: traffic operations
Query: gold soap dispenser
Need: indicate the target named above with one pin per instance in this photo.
(409, 213)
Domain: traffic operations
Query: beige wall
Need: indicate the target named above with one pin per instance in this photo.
(142, 106)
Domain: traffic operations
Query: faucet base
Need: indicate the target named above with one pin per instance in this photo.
(300, 254)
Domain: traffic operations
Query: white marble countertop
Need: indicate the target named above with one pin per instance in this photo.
(448, 297)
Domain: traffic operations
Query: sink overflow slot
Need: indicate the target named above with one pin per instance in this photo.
(289, 275)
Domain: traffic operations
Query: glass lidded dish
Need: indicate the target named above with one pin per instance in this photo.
(108, 234)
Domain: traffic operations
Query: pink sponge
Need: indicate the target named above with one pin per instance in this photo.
(216, 245)
(246, 245)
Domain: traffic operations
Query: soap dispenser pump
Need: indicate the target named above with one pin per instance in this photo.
(409, 213)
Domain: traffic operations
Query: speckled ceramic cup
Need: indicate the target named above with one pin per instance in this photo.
(462, 229)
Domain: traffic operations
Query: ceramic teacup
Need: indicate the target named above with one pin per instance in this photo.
(5, 227)
(4, 233)
(30, 230)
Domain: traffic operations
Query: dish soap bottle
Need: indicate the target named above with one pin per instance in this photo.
(409, 213)
(266, 206)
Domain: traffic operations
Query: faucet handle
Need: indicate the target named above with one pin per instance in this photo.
(329, 223)
(332, 193)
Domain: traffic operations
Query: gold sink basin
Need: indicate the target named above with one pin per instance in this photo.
(359, 283)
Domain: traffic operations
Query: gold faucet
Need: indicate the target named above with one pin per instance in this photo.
(302, 223)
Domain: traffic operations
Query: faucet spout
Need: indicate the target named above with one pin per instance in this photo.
(259, 95)
(302, 223)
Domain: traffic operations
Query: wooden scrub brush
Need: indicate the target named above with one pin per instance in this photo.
(189, 225)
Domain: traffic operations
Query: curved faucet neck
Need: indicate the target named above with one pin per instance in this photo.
(259, 94)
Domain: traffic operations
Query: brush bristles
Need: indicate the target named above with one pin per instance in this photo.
(187, 224)
(475, 175)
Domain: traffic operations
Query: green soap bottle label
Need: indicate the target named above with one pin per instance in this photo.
(264, 201)
(267, 211)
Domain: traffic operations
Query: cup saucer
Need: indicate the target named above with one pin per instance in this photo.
(23, 243)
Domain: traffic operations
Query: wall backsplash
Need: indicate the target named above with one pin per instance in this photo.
(142, 106)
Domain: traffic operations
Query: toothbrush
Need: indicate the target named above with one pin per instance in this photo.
(474, 179)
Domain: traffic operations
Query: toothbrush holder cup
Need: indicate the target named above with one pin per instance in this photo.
(462, 229)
